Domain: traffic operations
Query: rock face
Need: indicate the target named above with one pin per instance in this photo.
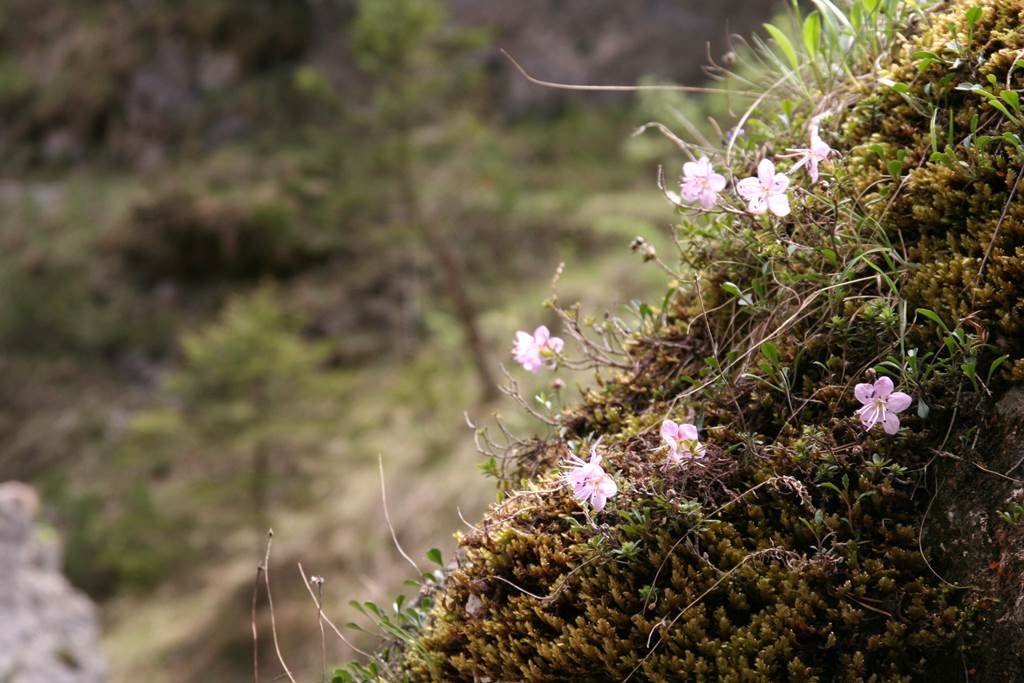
(983, 552)
(49, 632)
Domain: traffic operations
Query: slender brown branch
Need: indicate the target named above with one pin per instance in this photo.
(622, 88)
(327, 619)
(270, 604)
(387, 517)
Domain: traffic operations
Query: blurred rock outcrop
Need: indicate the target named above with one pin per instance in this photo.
(141, 78)
(604, 42)
(49, 632)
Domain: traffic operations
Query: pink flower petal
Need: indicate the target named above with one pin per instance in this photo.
(864, 392)
(891, 423)
(883, 387)
(597, 501)
(868, 416)
(541, 335)
(708, 198)
(748, 188)
(688, 432)
(716, 182)
(757, 206)
(607, 487)
(779, 204)
(556, 344)
(898, 402)
(780, 183)
(669, 429)
(766, 172)
(690, 191)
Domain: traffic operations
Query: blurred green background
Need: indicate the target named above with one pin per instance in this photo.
(247, 246)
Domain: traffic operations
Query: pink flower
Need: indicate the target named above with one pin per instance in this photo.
(682, 441)
(881, 404)
(590, 483)
(701, 183)
(817, 153)
(766, 192)
(537, 350)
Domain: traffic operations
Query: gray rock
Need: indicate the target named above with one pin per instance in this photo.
(49, 632)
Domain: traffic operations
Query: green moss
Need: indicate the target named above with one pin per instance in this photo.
(794, 550)
(953, 216)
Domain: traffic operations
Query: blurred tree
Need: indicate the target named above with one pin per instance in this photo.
(251, 390)
(413, 57)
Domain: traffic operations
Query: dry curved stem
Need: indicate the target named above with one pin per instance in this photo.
(558, 589)
(255, 629)
(270, 605)
(387, 517)
(325, 619)
(664, 130)
(622, 88)
(512, 391)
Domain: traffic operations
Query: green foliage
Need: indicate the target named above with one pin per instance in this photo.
(795, 549)
(252, 363)
(962, 161)
(108, 549)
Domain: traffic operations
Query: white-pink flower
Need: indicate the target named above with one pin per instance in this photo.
(537, 350)
(590, 483)
(766, 191)
(818, 152)
(682, 441)
(701, 183)
(880, 404)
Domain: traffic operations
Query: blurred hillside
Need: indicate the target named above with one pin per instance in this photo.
(249, 245)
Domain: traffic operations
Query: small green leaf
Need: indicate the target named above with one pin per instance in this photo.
(734, 289)
(895, 167)
(995, 366)
(1011, 98)
(934, 317)
(771, 352)
(784, 44)
(973, 16)
(812, 33)
(434, 555)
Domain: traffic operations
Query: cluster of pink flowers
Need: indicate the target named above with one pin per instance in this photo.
(700, 183)
(767, 191)
(682, 441)
(537, 350)
(592, 485)
(589, 482)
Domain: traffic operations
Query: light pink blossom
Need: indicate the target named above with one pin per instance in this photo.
(766, 191)
(590, 483)
(682, 441)
(818, 152)
(537, 350)
(701, 183)
(880, 404)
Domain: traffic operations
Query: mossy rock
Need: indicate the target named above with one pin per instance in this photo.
(799, 548)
